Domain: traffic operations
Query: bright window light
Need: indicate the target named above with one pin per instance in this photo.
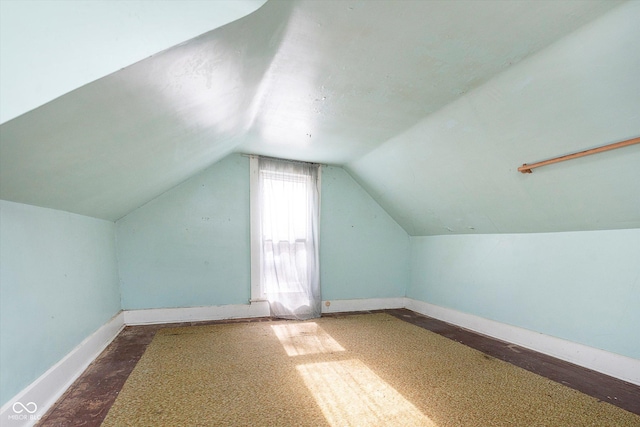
(299, 339)
(351, 394)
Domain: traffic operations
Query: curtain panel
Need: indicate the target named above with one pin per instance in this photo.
(289, 200)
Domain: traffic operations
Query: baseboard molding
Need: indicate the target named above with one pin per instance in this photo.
(365, 304)
(615, 365)
(240, 311)
(45, 390)
(196, 314)
(52, 384)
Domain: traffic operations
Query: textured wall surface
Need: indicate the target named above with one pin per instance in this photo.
(579, 286)
(363, 252)
(58, 284)
(191, 246)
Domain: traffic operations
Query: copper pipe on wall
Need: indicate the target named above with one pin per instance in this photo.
(525, 168)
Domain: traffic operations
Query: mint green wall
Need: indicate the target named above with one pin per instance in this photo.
(58, 284)
(579, 286)
(364, 253)
(191, 246)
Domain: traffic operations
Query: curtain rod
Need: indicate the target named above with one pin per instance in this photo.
(283, 160)
(525, 168)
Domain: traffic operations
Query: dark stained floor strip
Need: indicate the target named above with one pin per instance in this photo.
(90, 397)
(603, 387)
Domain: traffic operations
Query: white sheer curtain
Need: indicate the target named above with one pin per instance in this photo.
(289, 200)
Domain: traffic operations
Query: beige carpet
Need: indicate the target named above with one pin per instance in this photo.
(357, 370)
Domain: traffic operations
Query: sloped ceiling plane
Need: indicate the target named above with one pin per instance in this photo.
(416, 99)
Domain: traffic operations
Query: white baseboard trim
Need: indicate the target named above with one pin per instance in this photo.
(44, 391)
(365, 304)
(196, 314)
(52, 384)
(240, 311)
(615, 365)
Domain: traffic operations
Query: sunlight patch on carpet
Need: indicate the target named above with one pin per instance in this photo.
(355, 370)
(351, 394)
(299, 339)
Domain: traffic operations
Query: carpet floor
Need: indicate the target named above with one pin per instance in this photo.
(370, 369)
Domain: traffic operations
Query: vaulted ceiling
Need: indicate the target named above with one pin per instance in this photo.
(430, 105)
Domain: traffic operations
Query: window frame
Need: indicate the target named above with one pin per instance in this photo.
(257, 291)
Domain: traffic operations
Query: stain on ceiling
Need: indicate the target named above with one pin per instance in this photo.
(358, 84)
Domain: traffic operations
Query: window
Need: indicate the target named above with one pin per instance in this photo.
(285, 201)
